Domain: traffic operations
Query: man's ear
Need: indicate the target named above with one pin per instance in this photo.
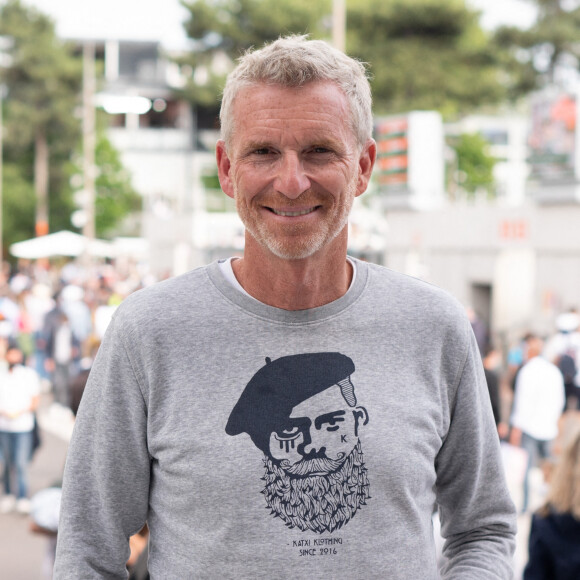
(366, 162)
(224, 166)
(360, 414)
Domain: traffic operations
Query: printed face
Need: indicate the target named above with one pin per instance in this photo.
(321, 431)
(294, 166)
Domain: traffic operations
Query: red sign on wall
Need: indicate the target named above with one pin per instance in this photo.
(514, 229)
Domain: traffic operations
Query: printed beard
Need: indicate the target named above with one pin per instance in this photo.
(319, 503)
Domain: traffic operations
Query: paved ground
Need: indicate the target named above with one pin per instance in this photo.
(22, 553)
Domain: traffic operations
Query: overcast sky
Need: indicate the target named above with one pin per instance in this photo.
(162, 19)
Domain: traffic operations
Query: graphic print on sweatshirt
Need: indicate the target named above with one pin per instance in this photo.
(301, 411)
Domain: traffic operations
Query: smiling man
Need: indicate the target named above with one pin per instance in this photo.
(179, 398)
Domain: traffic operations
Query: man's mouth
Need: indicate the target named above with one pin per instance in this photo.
(296, 213)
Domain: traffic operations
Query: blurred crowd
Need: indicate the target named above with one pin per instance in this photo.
(535, 397)
(52, 321)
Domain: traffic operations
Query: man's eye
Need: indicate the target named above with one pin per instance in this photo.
(262, 151)
(320, 150)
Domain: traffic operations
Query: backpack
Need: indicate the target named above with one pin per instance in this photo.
(567, 367)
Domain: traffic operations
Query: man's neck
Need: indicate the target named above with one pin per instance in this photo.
(294, 284)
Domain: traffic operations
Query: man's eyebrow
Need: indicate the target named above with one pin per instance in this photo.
(328, 417)
(253, 145)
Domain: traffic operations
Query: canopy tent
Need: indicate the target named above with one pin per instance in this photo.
(62, 243)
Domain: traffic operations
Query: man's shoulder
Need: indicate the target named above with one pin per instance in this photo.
(166, 297)
(413, 295)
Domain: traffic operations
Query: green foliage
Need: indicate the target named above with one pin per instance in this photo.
(474, 163)
(423, 54)
(547, 45)
(115, 197)
(18, 204)
(44, 81)
(230, 27)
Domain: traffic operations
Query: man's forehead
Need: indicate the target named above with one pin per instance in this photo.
(326, 401)
(319, 98)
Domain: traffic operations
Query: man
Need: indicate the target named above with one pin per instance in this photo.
(538, 405)
(179, 396)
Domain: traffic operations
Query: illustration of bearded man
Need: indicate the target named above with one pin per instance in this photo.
(302, 412)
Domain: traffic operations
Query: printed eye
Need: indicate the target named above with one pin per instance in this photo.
(332, 424)
(330, 421)
(287, 434)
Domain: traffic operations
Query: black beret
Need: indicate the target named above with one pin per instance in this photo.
(279, 386)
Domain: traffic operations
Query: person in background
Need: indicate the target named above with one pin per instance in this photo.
(538, 405)
(554, 543)
(491, 362)
(19, 397)
(62, 349)
(563, 349)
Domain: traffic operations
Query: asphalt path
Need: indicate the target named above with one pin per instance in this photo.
(22, 553)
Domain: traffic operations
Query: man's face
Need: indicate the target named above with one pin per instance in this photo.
(294, 166)
(318, 435)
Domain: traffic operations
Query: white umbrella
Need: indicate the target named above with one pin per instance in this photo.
(62, 243)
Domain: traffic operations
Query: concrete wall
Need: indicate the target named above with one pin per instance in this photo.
(527, 259)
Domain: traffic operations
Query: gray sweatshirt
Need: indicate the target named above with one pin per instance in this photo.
(264, 443)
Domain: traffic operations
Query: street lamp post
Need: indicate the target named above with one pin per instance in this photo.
(89, 137)
(6, 42)
(1, 170)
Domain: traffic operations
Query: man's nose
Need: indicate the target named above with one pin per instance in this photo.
(291, 179)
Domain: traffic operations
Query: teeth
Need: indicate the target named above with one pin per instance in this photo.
(293, 213)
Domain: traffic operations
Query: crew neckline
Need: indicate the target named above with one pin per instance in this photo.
(228, 272)
(248, 303)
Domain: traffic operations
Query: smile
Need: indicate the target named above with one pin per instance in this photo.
(293, 213)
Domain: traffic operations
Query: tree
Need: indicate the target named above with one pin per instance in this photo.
(225, 29)
(115, 196)
(44, 81)
(42, 131)
(550, 46)
(424, 54)
(474, 163)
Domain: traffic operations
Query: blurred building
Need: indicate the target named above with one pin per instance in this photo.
(514, 259)
(161, 144)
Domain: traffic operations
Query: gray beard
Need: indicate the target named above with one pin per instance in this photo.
(319, 503)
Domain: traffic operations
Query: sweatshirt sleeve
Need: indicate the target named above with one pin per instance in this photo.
(106, 480)
(478, 519)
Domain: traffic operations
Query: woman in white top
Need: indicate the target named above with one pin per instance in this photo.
(19, 396)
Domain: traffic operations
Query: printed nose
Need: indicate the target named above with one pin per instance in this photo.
(313, 447)
(291, 180)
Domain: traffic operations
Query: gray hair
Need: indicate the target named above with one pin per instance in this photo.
(294, 61)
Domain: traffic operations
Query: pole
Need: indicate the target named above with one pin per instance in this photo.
(1, 171)
(339, 24)
(89, 140)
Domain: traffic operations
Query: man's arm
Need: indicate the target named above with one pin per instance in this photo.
(106, 481)
(477, 514)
